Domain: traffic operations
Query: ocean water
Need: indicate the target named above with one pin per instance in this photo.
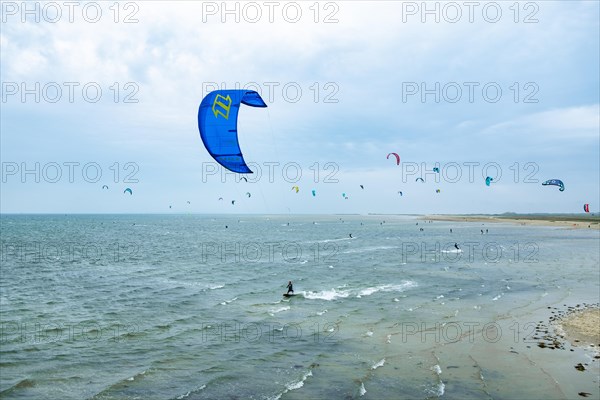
(191, 307)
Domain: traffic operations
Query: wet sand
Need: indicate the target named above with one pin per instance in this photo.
(582, 328)
(592, 222)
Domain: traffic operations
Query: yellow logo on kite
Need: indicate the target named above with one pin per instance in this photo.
(221, 105)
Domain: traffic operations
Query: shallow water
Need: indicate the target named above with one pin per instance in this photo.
(151, 306)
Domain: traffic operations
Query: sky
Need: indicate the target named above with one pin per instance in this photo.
(106, 94)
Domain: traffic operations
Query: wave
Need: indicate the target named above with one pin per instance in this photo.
(326, 295)
(333, 240)
(362, 390)
(366, 249)
(378, 364)
(452, 251)
(294, 385)
(224, 303)
(437, 390)
(334, 294)
(272, 312)
(387, 288)
(183, 396)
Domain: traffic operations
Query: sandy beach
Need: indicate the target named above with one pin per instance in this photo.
(572, 222)
(582, 327)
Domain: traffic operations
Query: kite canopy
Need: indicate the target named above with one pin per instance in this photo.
(128, 190)
(586, 208)
(488, 180)
(217, 122)
(395, 155)
(555, 182)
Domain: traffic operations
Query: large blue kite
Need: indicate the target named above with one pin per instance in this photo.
(217, 122)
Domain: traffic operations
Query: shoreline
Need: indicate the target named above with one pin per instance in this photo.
(525, 220)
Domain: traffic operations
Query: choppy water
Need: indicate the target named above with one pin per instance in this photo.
(180, 307)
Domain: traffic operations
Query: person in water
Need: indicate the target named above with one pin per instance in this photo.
(290, 287)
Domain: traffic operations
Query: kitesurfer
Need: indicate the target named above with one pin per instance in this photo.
(290, 287)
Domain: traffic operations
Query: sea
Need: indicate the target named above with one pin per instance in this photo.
(386, 307)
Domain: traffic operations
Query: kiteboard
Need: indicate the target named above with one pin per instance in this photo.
(288, 295)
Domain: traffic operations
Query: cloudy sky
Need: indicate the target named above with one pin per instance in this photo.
(98, 93)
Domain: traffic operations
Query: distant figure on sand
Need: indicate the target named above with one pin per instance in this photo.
(290, 287)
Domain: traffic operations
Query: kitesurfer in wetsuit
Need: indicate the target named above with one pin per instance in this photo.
(290, 287)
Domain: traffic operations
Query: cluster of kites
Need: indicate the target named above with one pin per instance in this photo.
(218, 122)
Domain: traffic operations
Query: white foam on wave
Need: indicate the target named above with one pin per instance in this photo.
(367, 249)
(362, 390)
(378, 364)
(272, 312)
(321, 312)
(228, 301)
(497, 297)
(387, 288)
(183, 396)
(326, 295)
(332, 240)
(452, 251)
(437, 369)
(300, 383)
(213, 287)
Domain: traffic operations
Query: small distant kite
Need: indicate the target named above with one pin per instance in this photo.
(400, 193)
(438, 191)
(170, 206)
(314, 192)
(436, 169)
(248, 194)
(362, 187)
(232, 202)
(422, 180)
(586, 208)
(220, 198)
(296, 188)
(104, 187)
(395, 155)
(555, 182)
(244, 178)
(189, 202)
(128, 190)
(343, 194)
(488, 180)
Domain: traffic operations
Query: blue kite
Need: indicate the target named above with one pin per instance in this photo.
(217, 122)
(555, 182)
